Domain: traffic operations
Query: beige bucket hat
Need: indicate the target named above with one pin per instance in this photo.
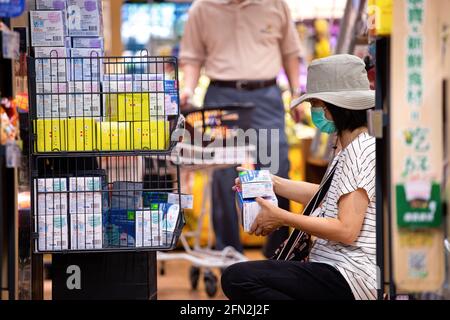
(340, 80)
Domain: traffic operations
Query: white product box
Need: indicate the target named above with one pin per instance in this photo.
(149, 228)
(248, 209)
(117, 77)
(51, 204)
(170, 219)
(85, 100)
(50, 104)
(60, 5)
(85, 18)
(88, 64)
(256, 183)
(96, 42)
(86, 231)
(48, 28)
(187, 200)
(85, 184)
(47, 202)
(53, 232)
(54, 69)
(85, 202)
(51, 184)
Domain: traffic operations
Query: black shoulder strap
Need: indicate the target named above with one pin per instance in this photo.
(312, 205)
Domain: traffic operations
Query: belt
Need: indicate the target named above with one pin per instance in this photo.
(243, 84)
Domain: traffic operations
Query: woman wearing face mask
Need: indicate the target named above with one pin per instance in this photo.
(341, 262)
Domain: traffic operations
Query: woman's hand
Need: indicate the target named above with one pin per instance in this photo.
(270, 218)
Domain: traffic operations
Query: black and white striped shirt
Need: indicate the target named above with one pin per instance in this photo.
(356, 262)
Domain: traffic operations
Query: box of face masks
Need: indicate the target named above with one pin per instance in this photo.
(52, 232)
(89, 198)
(120, 228)
(151, 197)
(51, 198)
(155, 226)
(48, 28)
(49, 103)
(60, 5)
(86, 231)
(55, 69)
(85, 18)
(96, 43)
(84, 99)
(87, 65)
(50, 135)
(256, 183)
(248, 209)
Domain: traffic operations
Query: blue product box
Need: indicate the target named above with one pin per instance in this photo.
(120, 230)
(248, 209)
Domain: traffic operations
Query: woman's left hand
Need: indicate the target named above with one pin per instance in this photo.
(269, 218)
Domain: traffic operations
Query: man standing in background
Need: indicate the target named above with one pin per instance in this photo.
(242, 44)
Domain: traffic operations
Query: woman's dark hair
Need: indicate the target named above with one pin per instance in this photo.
(345, 119)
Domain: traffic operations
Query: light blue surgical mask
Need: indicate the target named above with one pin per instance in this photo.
(322, 123)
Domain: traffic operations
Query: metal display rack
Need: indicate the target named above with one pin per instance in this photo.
(101, 129)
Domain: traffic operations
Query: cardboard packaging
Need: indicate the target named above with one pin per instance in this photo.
(149, 227)
(151, 197)
(60, 5)
(50, 197)
(54, 69)
(88, 202)
(81, 134)
(150, 135)
(48, 28)
(50, 104)
(155, 227)
(248, 209)
(52, 232)
(113, 136)
(86, 231)
(96, 42)
(85, 18)
(84, 99)
(87, 65)
(50, 135)
(120, 228)
(256, 183)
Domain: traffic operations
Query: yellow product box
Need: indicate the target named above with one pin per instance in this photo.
(113, 136)
(150, 135)
(134, 106)
(50, 135)
(81, 134)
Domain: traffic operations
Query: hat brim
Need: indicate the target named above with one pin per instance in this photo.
(352, 100)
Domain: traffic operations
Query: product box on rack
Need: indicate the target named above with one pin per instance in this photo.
(51, 100)
(52, 64)
(50, 196)
(52, 232)
(86, 195)
(50, 135)
(86, 231)
(81, 134)
(151, 197)
(85, 18)
(155, 226)
(96, 42)
(84, 99)
(149, 229)
(150, 135)
(256, 183)
(60, 5)
(86, 64)
(113, 136)
(48, 28)
(248, 209)
(120, 229)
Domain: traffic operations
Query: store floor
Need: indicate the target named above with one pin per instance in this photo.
(175, 284)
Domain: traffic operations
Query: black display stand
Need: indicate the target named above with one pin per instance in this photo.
(109, 276)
